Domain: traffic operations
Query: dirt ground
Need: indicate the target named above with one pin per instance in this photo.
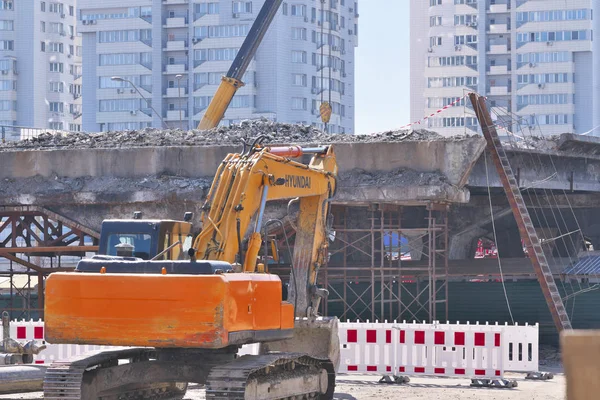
(363, 387)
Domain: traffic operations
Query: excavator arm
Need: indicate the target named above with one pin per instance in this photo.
(236, 203)
(231, 82)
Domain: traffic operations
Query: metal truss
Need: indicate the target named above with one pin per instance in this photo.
(35, 242)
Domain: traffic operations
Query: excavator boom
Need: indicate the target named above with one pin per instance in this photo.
(231, 82)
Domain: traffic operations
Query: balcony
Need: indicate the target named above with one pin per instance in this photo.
(174, 92)
(176, 69)
(498, 29)
(176, 1)
(499, 8)
(176, 22)
(176, 45)
(498, 49)
(173, 115)
(499, 91)
(499, 70)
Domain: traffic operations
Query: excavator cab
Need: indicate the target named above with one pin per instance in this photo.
(146, 239)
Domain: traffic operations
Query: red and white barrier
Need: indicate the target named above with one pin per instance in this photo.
(366, 347)
(34, 330)
(422, 349)
(521, 347)
(466, 350)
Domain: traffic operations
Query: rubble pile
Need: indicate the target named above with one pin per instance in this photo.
(233, 135)
(539, 143)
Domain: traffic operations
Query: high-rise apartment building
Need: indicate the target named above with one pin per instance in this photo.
(40, 64)
(175, 52)
(536, 61)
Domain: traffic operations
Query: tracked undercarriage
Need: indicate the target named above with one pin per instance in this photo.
(144, 374)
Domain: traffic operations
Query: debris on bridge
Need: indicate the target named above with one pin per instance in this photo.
(232, 135)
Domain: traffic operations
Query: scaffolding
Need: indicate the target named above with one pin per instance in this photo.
(370, 277)
(35, 242)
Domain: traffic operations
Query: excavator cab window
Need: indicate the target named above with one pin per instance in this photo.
(141, 243)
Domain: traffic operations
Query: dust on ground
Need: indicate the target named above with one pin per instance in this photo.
(366, 387)
(248, 130)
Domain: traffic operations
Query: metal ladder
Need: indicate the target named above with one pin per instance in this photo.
(517, 204)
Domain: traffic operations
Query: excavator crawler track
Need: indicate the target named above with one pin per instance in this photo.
(67, 380)
(272, 376)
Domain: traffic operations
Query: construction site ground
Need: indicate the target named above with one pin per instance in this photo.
(366, 387)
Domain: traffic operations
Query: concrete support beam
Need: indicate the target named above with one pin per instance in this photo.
(534, 169)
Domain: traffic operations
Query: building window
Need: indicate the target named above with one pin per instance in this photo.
(55, 47)
(43, 6)
(545, 57)
(56, 107)
(242, 7)
(6, 5)
(8, 85)
(56, 27)
(119, 105)
(299, 80)
(435, 41)
(42, 26)
(57, 87)
(435, 21)
(71, 11)
(556, 36)
(243, 101)
(542, 99)
(6, 25)
(215, 54)
(7, 45)
(435, 3)
(284, 9)
(133, 35)
(56, 67)
(56, 8)
(465, 19)
(298, 33)
(118, 59)
(221, 31)
(298, 57)
(298, 10)
(8, 105)
(299, 103)
(206, 8)
(554, 15)
(453, 81)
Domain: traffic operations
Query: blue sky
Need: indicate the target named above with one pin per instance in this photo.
(382, 66)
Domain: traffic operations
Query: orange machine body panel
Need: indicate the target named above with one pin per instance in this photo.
(194, 311)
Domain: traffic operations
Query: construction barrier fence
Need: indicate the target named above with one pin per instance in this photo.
(439, 349)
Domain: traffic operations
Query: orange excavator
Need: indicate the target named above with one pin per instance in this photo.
(184, 320)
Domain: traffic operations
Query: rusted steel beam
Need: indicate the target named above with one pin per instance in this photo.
(522, 217)
(34, 267)
(48, 249)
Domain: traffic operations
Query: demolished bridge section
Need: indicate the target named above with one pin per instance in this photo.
(172, 170)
